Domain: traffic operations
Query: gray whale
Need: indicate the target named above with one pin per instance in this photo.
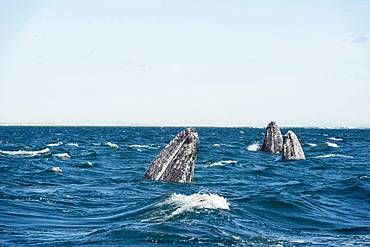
(292, 149)
(176, 162)
(273, 142)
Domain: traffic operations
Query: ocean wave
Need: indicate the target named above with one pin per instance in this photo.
(254, 147)
(55, 144)
(297, 241)
(332, 144)
(84, 164)
(73, 144)
(112, 145)
(186, 203)
(335, 139)
(334, 155)
(140, 147)
(216, 145)
(56, 169)
(62, 155)
(222, 163)
(312, 144)
(26, 152)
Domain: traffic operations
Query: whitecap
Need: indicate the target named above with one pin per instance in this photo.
(55, 144)
(84, 164)
(56, 169)
(235, 237)
(139, 146)
(216, 145)
(87, 163)
(312, 144)
(332, 144)
(26, 152)
(62, 155)
(335, 139)
(186, 203)
(254, 147)
(73, 144)
(222, 163)
(334, 155)
(298, 241)
(112, 145)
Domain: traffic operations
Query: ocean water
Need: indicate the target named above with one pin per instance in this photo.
(83, 186)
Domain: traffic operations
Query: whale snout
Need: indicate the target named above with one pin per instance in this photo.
(176, 162)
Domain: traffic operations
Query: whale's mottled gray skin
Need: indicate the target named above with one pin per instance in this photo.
(273, 142)
(176, 162)
(292, 149)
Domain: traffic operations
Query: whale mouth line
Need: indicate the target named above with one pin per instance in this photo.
(160, 174)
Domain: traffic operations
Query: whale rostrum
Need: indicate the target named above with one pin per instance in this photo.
(273, 142)
(292, 149)
(176, 162)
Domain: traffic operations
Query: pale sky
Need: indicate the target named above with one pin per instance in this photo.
(187, 63)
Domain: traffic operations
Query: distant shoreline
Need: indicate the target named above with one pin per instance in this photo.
(159, 126)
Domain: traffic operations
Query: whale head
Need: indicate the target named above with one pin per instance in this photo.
(273, 141)
(292, 149)
(176, 162)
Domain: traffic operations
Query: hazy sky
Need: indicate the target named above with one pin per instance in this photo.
(218, 63)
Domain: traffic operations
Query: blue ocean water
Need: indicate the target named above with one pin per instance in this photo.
(83, 186)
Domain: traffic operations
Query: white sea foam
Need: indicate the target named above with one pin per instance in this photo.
(235, 237)
(216, 145)
(186, 203)
(335, 139)
(72, 144)
(332, 144)
(112, 145)
(222, 163)
(139, 146)
(55, 144)
(26, 152)
(56, 169)
(89, 163)
(84, 164)
(312, 144)
(62, 156)
(298, 241)
(254, 147)
(334, 155)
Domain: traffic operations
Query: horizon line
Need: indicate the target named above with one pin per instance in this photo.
(63, 124)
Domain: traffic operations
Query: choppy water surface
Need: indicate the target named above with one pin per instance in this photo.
(62, 186)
